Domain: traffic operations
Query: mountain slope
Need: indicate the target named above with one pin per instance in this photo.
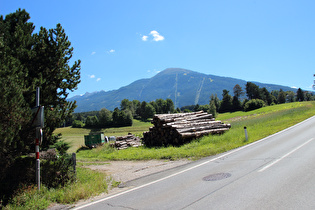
(183, 86)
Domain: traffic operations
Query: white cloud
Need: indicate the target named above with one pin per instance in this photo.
(111, 51)
(92, 76)
(156, 36)
(145, 38)
(93, 53)
(98, 79)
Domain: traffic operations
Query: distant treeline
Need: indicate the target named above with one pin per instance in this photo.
(123, 116)
(256, 97)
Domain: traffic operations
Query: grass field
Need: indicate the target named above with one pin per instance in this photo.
(75, 136)
(260, 123)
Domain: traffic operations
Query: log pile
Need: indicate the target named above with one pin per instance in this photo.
(178, 129)
(123, 142)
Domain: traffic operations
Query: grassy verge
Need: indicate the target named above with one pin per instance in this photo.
(260, 123)
(90, 183)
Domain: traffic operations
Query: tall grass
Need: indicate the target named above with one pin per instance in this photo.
(260, 123)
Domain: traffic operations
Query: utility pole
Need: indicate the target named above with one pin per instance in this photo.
(314, 83)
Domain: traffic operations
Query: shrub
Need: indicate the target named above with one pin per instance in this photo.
(62, 147)
(77, 124)
(57, 173)
(254, 104)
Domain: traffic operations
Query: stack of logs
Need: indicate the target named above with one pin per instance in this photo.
(123, 142)
(178, 129)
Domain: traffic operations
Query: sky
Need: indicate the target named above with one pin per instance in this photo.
(121, 41)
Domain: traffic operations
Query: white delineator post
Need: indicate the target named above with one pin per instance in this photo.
(246, 135)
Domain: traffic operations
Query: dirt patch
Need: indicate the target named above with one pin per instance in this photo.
(123, 171)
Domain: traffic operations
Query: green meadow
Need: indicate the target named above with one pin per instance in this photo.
(260, 123)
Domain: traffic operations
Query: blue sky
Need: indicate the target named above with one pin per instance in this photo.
(120, 41)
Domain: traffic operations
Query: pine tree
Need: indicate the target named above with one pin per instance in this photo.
(226, 103)
(29, 60)
(252, 91)
(281, 97)
(238, 91)
(299, 95)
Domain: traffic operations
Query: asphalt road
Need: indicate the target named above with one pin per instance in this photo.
(277, 172)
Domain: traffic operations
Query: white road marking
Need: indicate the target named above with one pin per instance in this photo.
(284, 156)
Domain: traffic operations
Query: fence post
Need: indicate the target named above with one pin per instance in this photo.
(74, 162)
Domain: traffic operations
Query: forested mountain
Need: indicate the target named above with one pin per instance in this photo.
(183, 86)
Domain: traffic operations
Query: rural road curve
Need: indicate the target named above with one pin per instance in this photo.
(277, 172)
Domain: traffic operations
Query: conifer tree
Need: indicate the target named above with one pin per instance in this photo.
(29, 60)
(299, 95)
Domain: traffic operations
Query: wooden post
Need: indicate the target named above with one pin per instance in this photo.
(74, 162)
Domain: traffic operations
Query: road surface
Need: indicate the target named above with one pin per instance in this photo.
(277, 172)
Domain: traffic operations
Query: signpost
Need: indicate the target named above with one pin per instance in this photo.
(38, 122)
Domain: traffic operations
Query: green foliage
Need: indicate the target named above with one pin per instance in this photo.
(122, 118)
(33, 60)
(226, 103)
(213, 109)
(190, 108)
(238, 91)
(21, 172)
(254, 104)
(77, 124)
(216, 101)
(281, 97)
(29, 60)
(92, 122)
(266, 96)
(299, 95)
(61, 146)
(236, 104)
(252, 91)
(57, 172)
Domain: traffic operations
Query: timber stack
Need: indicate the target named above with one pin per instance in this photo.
(178, 129)
(123, 142)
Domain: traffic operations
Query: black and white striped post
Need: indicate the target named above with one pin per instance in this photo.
(39, 134)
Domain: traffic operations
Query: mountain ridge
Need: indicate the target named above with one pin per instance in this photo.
(184, 87)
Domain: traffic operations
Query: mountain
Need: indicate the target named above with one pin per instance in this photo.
(183, 86)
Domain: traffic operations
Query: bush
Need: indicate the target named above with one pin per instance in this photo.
(61, 146)
(57, 173)
(254, 104)
(77, 124)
